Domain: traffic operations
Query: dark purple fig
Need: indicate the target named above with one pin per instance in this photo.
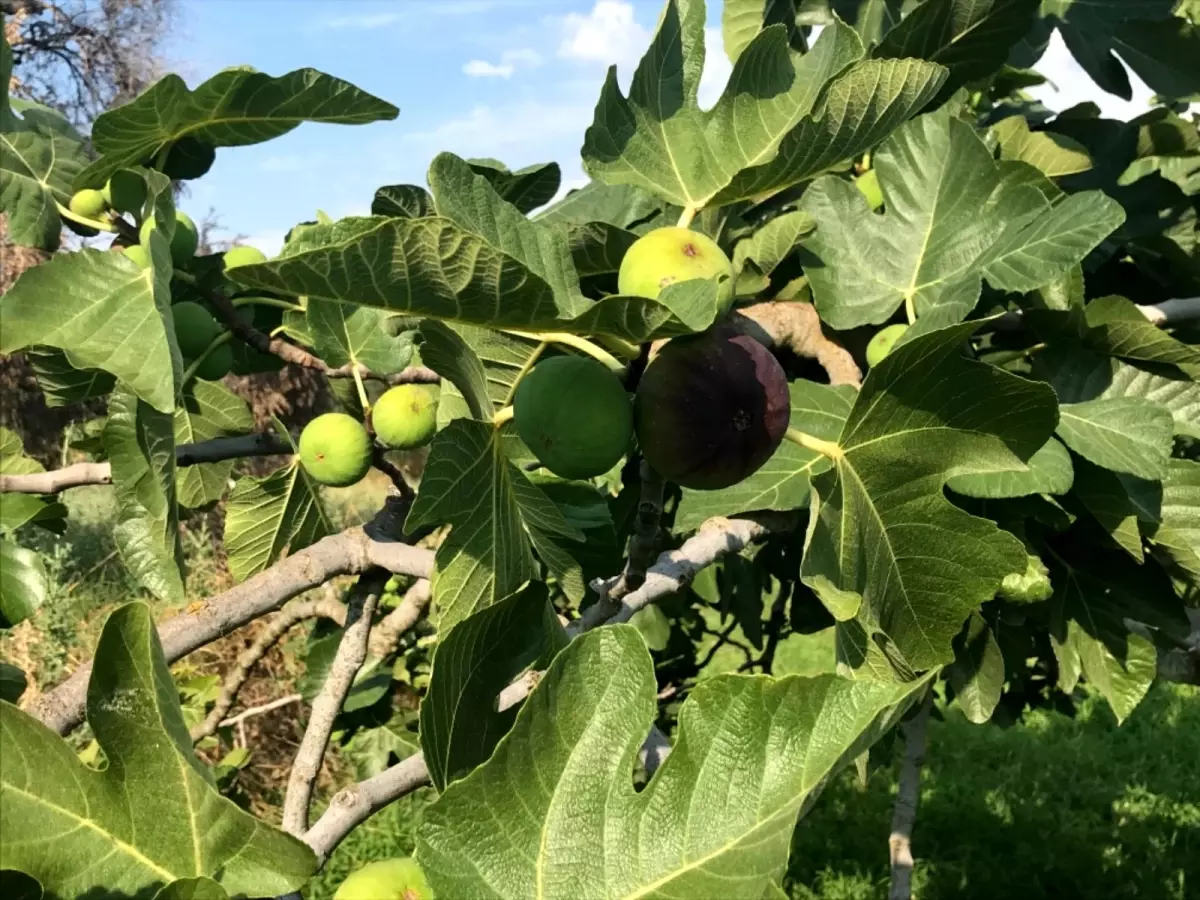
(711, 409)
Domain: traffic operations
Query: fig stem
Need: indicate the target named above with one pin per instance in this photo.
(502, 416)
(363, 400)
(576, 342)
(183, 276)
(189, 373)
(533, 357)
(910, 310)
(83, 220)
(627, 349)
(829, 449)
(685, 217)
(1012, 355)
(266, 301)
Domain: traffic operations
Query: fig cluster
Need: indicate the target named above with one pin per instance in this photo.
(711, 409)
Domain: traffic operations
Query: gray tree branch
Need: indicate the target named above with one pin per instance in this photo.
(353, 805)
(351, 652)
(351, 552)
(78, 474)
(908, 793)
(386, 635)
(289, 616)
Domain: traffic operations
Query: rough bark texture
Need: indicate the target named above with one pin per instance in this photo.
(908, 793)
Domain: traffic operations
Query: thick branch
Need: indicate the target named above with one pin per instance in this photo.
(908, 792)
(328, 608)
(798, 327)
(386, 635)
(1166, 314)
(641, 544)
(350, 553)
(351, 652)
(78, 474)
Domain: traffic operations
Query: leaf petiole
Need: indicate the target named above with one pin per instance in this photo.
(533, 357)
(363, 400)
(828, 449)
(576, 342)
(267, 301)
(685, 217)
(223, 338)
(83, 220)
(502, 416)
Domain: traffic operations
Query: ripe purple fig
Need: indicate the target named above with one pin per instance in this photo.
(711, 409)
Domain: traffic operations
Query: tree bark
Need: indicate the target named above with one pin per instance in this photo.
(908, 793)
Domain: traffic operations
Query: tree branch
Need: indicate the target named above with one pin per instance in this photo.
(386, 635)
(353, 805)
(797, 326)
(908, 793)
(78, 474)
(1164, 315)
(351, 652)
(328, 608)
(350, 553)
(252, 711)
(641, 544)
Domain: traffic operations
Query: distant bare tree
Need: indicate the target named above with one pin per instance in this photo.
(82, 57)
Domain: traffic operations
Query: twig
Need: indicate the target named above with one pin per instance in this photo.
(351, 652)
(675, 569)
(349, 553)
(288, 617)
(79, 474)
(386, 635)
(1164, 315)
(641, 543)
(252, 711)
(908, 792)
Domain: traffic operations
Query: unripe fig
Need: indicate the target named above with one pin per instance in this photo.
(139, 255)
(1031, 586)
(868, 183)
(125, 192)
(185, 241)
(88, 203)
(389, 879)
(242, 256)
(195, 328)
(882, 343)
(669, 255)
(575, 416)
(405, 417)
(711, 409)
(335, 449)
(217, 364)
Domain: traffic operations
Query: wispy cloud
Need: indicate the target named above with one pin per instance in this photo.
(510, 61)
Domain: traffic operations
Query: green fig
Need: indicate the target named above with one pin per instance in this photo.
(883, 342)
(669, 255)
(242, 256)
(217, 364)
(88, 203)
(139, 255)
(335, 450)
(405, 417)
(868, 183)
(195, 328)
(185, 241)
(389, 879)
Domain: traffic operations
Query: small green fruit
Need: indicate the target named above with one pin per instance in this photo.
(217, 364)
(883, 342)
(335, 449)
(126, 192)
(868, 183)
(185, 241)
(574, 415)
(669, 255)
(393, 585)
(195, 328)
(139, 255)
(405, 417)
(1031, 586)
(390, 879)
(89, 203)
(243, 256)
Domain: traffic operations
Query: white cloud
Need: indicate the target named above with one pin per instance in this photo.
(608, 34)
(510, 61)
(521, 129)
(479, 68)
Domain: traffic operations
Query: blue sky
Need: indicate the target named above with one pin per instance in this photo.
(512, 79)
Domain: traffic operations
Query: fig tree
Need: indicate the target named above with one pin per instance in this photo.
(711, 409)
(669, 255)
(335, 449)
(575, 416)
(868, 183)
(89, 203)
(139, 255)
(882, 343)
(242, 256)
(405, 417)
(195, 328)
(217, 364)
(185, 241)
(389, 879)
